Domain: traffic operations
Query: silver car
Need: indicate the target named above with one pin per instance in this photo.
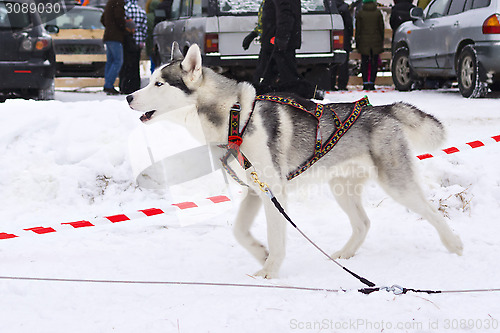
(219, 27)
(450, 39)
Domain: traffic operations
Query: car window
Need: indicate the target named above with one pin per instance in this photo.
(480, 3)
(176, 9)
(437, 8)
(185, 8)
(78, 18)
(11, 19)
(198, 8)
(456, 7)
(468, 5)
(252, 6)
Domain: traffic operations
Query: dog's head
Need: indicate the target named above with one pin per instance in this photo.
(172, 86)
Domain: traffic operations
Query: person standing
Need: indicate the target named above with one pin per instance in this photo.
(151, 6)
(281, 37)
(113, 19)
(130, 78)
(400, 13)
(369, 41)
(255, 33)
(340, 73)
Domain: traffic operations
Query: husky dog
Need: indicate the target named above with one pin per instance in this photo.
(279, 138)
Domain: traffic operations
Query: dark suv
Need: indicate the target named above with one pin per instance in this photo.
(27, 57)
(450, 39)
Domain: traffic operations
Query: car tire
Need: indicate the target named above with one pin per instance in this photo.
(402, 74)
(468, 74)
(48, 93)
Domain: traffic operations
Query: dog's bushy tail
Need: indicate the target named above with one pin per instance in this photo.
(423, 130)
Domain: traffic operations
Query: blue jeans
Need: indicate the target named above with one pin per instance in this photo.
(114, 62)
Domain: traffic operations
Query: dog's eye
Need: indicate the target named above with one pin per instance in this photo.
(159, 84)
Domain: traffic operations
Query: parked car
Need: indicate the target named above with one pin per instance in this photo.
(219, 27)
(450, 39)
(78, 43)
(27, 58)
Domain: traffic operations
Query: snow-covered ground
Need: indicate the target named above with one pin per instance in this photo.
(69, 160)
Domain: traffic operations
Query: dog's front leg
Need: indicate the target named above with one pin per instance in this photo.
(247, 212)
(276, 237)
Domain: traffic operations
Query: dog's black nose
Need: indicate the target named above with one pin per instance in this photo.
(130, 98)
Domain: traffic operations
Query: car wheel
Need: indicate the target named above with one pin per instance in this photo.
(402, 75)
(48, 93)
(468, 74)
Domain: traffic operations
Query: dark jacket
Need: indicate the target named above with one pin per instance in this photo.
(343, 9)
(113, 20)
(281, 19)
(400, 13)
(369, 29)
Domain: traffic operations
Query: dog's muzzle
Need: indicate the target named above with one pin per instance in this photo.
(146, 116)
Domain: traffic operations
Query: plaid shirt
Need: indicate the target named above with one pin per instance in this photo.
(138, 15)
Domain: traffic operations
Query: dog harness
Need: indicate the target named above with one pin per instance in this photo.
(320, 149)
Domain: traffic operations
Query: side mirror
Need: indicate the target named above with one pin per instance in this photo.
(417, 13)
(53, 29)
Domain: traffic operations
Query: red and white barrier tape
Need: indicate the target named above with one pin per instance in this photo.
(117, 218)
(211, 200)
(464, 147)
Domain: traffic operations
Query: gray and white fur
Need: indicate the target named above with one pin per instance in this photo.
(279, 138)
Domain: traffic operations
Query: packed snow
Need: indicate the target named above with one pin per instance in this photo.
(75, 158)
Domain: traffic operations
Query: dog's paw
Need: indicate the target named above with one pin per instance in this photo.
(264, 273)
(342, 254)
(454, 244)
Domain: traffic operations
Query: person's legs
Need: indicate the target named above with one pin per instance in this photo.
(114, 61)
(289, 78)
(126, 72)
(135, 75)
(373, 69)
(343, 74)
(365, 64)
(265, 73)
(286, 64)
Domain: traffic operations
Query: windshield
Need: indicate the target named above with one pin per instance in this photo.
(11, 19)
(79, 18)
(252, 6)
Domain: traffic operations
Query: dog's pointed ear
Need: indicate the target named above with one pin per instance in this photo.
(176, 52)
(192, 63)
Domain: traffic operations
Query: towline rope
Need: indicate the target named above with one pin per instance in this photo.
(397, 290)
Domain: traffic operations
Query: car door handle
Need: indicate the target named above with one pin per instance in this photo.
(457, 24)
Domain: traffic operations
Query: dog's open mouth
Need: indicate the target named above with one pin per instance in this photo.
(147, 116)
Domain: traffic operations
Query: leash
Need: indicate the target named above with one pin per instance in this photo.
(265, 188)
(396, 289)
(235, 140)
